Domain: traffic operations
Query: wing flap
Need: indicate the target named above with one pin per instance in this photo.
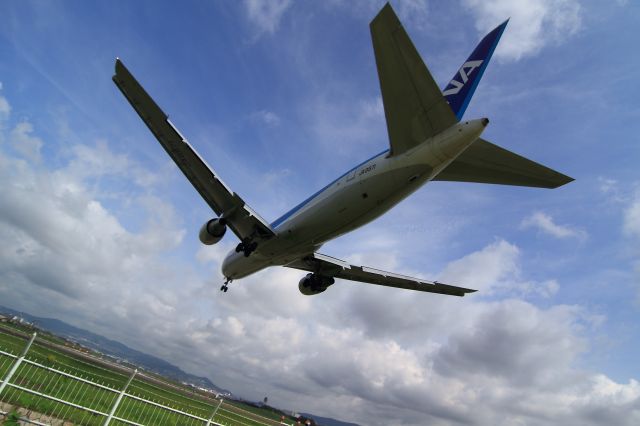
(326, 265)
(484, 162)
(414, 106)
(242, 220)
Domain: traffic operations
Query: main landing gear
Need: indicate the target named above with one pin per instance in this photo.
(247, 246)
(225, 286)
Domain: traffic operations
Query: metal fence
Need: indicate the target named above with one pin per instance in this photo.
(52, 396)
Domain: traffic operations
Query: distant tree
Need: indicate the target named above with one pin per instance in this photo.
(265, 400)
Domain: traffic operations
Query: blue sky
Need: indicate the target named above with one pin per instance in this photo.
(99, 228)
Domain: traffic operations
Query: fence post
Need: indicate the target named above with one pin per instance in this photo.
(17, 363)
(117, 403)
(214, 412)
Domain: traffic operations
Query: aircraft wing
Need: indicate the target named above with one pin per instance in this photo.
(241, 219)
(414, 106)
(331, 267)
(484, 162)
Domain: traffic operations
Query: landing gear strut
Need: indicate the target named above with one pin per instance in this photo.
(225, 286)
(247, 246)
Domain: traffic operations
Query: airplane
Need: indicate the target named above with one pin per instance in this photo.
(429, 141)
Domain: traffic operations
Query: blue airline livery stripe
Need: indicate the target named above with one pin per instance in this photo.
(460, 89)
(294, 210)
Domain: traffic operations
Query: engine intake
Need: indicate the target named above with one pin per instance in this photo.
(213, 231)
(312, 284)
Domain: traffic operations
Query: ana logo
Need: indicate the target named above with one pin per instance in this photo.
(465, 70)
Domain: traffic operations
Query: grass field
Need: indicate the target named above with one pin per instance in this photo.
(100, 389)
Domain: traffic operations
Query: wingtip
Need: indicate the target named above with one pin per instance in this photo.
(562, 182)
(387, 14)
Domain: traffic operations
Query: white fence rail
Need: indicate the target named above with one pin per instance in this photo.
(55, 397)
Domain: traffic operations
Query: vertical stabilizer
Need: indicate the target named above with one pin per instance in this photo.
(461, 87)
(413, 103)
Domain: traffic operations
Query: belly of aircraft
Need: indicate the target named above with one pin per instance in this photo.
(357, 204)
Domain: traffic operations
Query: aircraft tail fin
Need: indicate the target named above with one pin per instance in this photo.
(460, 89)
(414, 106)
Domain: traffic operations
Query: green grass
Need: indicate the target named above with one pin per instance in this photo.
(55, 384)
(268, 412)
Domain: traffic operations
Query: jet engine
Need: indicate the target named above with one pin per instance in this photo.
(213, 231)
(312, 284)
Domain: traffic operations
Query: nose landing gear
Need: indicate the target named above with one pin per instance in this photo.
(225, 286)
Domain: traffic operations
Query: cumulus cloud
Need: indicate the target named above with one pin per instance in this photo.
(533, 23)
(632, 218)
(363, 353)
(24, 142)
(544, 223)
(485, 269)
(5, 108)
(631, 228)
(266, 14)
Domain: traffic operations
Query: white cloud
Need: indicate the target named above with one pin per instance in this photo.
(266, 14)
(632, 218)
(92, 162)
(607, 185)
(24, 142)
(269, 118)
(334, 121)
(486, 269)
(414, 13)
(364, 353)
(533, 23)
(611, 189)
(545, 223)
(5, 108)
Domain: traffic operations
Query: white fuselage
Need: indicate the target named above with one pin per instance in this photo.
(354, 199)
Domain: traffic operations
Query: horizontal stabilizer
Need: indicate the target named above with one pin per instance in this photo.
(331, 267)
(484, 162)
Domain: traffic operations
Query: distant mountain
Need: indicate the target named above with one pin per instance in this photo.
(326, 421)
(114, 349)
(123, 352)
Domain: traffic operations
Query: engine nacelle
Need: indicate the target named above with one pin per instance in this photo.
(312, 284)
(213, 231)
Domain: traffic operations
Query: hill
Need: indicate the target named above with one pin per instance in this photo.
(114, 349)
